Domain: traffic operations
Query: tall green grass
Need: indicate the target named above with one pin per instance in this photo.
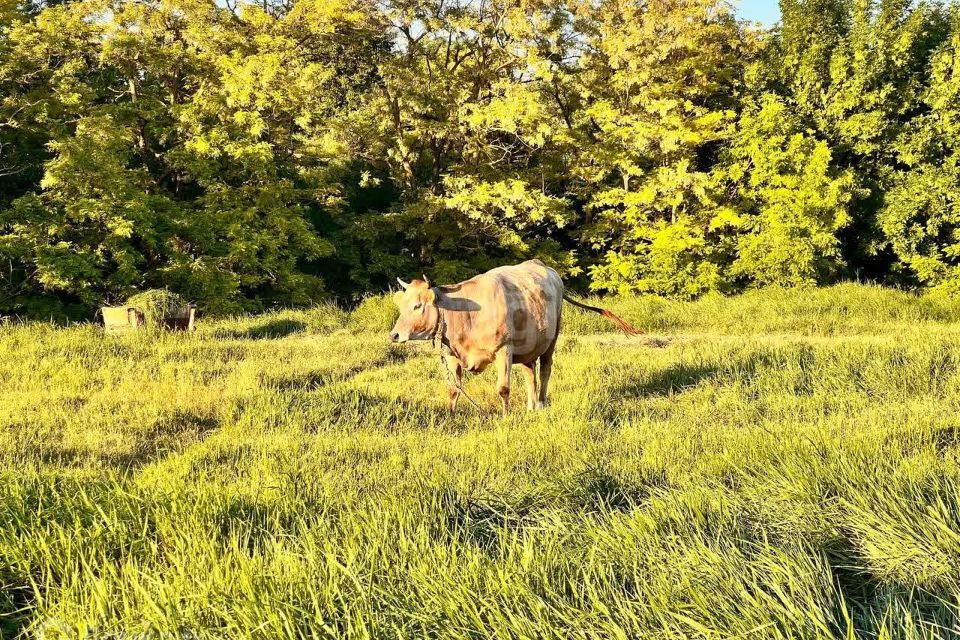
(787, 467)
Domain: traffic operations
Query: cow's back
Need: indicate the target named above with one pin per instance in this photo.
(516, 306)
(533, 298)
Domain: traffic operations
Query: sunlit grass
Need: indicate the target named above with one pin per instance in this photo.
(786, 467)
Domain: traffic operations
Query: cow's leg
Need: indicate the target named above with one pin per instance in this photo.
(530, 375)
(504, 360)
(546, 368)
(454, 374)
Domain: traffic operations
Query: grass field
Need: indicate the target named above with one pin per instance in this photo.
(788, 466)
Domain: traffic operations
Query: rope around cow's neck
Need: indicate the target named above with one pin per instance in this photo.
(444, 350)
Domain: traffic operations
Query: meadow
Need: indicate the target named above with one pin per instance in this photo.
(781, 464)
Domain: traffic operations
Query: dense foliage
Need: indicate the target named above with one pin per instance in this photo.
(254, 155)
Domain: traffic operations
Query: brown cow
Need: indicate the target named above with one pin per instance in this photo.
(508, 315)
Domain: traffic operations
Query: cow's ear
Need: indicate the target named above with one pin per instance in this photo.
(397, 295)
(431, 296)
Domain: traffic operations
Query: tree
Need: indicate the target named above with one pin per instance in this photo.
(921, 214)
(853, 71)
(468, 125)
(187, 146)
(659, 81)
(790, 199)
(252, 154)
(47, 79)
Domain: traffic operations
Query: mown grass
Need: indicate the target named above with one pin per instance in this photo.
(788, 466)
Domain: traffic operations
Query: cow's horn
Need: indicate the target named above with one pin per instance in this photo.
(403, 284)
(425, 279)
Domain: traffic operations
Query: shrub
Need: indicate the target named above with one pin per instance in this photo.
(155, 304)
(374, 314)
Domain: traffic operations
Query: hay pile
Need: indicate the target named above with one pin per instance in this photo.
(155, 305)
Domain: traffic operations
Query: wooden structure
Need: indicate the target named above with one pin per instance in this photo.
(121, 318)
(117, 318)
(182, 319)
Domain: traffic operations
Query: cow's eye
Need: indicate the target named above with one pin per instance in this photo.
(417, 306)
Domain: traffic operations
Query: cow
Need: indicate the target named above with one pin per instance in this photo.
(506, 316)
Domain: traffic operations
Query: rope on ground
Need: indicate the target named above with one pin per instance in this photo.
(444, 351)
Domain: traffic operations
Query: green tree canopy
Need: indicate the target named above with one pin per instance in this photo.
(249, 155)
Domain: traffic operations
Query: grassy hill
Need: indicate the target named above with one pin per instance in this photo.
(787, 466)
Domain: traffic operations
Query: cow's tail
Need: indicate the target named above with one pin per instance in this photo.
(622, 324)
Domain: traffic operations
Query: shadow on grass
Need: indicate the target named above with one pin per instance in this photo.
(16, 603)
(487, 522)
(628, 388)
(667, 382)
(867, 599)
(625, 395)
(682, 377)
(945, 438)
(598, 490)
(266, 331)
(169, 434)
(315, 379)
(308, 380)
(492, 521)
(352, 408)
(254, 524)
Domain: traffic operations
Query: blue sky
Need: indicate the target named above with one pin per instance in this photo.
(766, 11)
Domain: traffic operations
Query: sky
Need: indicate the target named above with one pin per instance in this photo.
(766, 11)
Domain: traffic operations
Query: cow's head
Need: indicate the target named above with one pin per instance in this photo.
(419, 316)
